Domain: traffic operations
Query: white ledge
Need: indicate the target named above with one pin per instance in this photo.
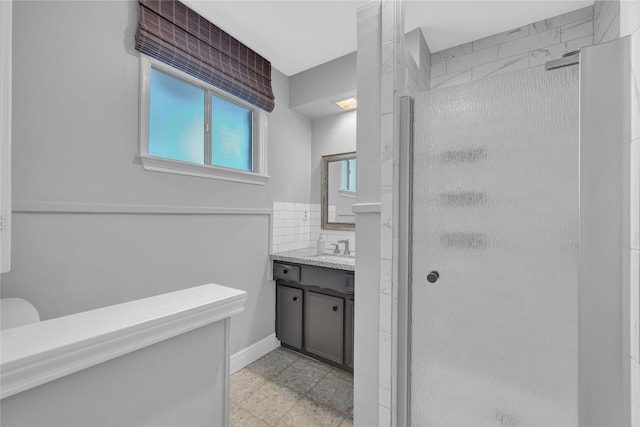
(24, 206)
(160, 164)
(37, 353)
(361, 208)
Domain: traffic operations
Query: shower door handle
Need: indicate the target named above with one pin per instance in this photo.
(433, 277)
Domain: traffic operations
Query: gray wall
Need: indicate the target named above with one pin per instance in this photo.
(315, 91)
(331, 135)
(75, 141)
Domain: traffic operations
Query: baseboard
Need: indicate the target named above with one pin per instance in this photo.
(250, 354)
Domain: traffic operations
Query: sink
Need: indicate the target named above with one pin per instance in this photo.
(340, 259)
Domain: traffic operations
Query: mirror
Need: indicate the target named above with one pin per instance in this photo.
(338, 191)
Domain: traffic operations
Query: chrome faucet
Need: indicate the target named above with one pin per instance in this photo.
(346, 246)
(336, 248)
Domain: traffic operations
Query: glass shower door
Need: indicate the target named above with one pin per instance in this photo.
(494, 340)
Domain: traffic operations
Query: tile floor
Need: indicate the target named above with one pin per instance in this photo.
(285, 388)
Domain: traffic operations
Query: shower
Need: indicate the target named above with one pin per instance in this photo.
(509, 322)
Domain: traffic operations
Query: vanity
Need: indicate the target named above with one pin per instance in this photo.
(315, 304)
(315, 286)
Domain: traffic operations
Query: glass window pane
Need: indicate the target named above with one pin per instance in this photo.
(231, 135)
(349, 175)
(176, 119)
(352, 174)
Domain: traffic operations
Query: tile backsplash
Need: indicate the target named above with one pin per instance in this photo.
(297, 226)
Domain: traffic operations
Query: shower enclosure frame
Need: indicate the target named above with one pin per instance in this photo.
(603, 291)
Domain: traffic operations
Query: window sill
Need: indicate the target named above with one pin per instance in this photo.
(347, 193)
(159, 164)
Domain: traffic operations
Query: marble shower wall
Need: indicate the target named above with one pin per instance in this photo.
(606, 25)
(517, 49)
(629, 19)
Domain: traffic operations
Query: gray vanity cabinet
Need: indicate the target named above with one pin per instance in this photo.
(314, 311)
(348, 333)
(324, 317)
(289, 316)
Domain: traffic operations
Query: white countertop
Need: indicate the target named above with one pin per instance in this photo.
(310, 256)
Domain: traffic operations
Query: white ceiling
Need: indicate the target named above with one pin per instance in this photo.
(296, 35)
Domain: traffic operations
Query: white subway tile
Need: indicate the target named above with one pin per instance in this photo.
(606, 21)
(386, 276)
(634, 195)
(387, 58)
(385, 313)
(438, 69)
(472, 59)
(564, 19)
(452, 79)
(634, 306)
(541, 56)
(573, 45)
(629, 17)
(387, 93)
(535, 41)
(451, 52)
(387, 19)
(384, 415)
(576, 30)
(499, 38)
(635, 85)
(635, 393)
(506, 65)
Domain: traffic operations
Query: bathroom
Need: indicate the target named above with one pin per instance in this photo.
(91, 228)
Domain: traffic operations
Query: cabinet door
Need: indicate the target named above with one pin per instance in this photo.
(348, 334)
(289, 315)
(324, 326)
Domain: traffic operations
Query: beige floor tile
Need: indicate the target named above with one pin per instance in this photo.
(347, 422)
(241, 418)
(307, 413)
(273, 363)
(270, 402)
(244, 383)
(301, 375)
(335, 391)
(285, 388)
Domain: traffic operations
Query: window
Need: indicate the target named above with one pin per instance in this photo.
(349, 175)
(189, 127)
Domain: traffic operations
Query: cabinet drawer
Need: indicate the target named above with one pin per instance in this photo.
(286, 272)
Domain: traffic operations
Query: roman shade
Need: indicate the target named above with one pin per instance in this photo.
(172, 33)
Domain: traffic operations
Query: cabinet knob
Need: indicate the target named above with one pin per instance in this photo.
(285, 271)
(335, 308)
(295, 298)
(433, 277)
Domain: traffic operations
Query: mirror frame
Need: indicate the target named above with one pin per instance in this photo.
(324, 183)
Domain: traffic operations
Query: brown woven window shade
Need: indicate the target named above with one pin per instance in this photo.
(171, 32)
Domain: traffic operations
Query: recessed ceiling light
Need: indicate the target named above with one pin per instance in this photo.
(347, 104)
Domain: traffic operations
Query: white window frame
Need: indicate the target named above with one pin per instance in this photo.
(258, 176)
